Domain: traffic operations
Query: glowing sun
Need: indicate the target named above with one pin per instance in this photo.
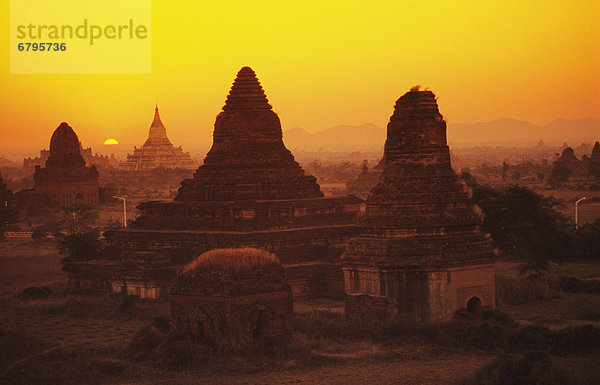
(111, 141)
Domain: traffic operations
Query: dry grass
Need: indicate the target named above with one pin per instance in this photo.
(515, 287)
(232, 260)
(28, 262)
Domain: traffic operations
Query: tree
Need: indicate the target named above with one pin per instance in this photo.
(78, 217)
(524, 224)
(8, 216)
(541, 176)
(80, 246)
(559, 174)
(505, 168)
(587, 241)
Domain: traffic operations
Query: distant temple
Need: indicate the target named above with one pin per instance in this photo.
(100, 161)
(250, 192)
(65, 179)
(420, 255)
(365, 181)
(157, 152)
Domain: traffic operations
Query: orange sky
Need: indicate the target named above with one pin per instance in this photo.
(343, 62)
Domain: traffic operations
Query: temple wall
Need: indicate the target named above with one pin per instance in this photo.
(316, 279)
(232, 319)
(291, 245)
(247, 215)
(417, 295)
(66, 193)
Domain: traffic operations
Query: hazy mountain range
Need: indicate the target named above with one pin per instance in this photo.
(497, 132)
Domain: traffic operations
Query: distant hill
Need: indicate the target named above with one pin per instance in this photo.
(7, 163)
(365, 135)
(504, 131)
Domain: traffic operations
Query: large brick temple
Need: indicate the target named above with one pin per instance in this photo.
(157, 151)
(421, 254)
(249, 192)
(65, 179)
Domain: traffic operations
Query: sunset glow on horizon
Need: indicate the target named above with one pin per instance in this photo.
(323, 65)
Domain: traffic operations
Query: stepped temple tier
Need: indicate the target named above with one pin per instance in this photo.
(250, 192)
(65, 179)
(420, 254)
(158, 152)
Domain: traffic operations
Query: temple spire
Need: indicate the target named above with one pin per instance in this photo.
(157, 134)
(246, 93)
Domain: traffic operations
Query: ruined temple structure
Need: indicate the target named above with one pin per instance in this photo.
(102, 162)
(575, 165)
(250, 192)
(65, 179)
(596, 153)
(421, 255)
(568, 156)
(366, 180)
(232, 297)
(157, 152)
(594, 161)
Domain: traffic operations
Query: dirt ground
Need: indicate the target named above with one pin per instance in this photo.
(28, 263)
(92, 325)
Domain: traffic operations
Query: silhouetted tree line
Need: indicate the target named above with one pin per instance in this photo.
(524, 224)
(8, 216)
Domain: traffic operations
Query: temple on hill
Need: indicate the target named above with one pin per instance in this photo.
(250, 192)
(65, 179)
(421, 254)
(157, 152)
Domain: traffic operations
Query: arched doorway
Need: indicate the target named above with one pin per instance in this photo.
(474, 306)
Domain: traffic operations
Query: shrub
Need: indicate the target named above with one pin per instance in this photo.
(529, 286)
(62, 366)
(574, 285)
(34, 292)
(143, 342)
(529, 369)
(531, 337)
(180, 350)
(575, 339)
(81, 246)
(38, 232)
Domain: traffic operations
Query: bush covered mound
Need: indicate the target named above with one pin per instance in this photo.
(238, 260)
(530, 369)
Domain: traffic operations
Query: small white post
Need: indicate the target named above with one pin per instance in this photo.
(124, 199)
(577, 212)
